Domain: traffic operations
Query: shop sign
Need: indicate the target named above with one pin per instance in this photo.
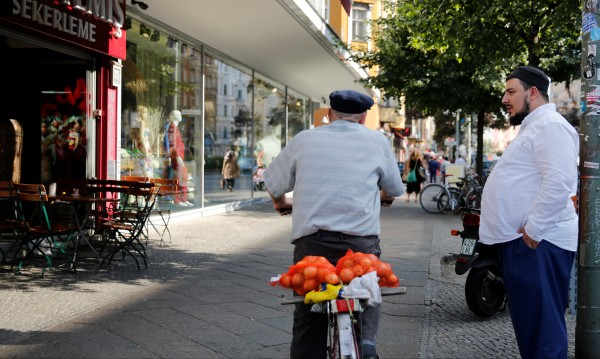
(93, 24)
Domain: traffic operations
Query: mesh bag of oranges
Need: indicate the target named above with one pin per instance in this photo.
(307, 275)
(355, 264)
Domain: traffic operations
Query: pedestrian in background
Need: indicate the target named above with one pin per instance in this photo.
(434, 166)
(413, 185)
(230, 170)
(341, 175)
(445, 162)
(528, 214)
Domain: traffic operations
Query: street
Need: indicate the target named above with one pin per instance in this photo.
(206, 295)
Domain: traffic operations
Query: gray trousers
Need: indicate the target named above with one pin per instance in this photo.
(310, 329)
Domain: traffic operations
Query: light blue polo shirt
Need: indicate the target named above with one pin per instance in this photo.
(335, 172)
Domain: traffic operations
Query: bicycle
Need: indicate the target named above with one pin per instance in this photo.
(342, 340)
(436, 198)
(470, 192)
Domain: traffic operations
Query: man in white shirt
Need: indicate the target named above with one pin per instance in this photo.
(527, 212)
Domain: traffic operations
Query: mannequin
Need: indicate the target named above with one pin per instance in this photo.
(143, 144)
(175, 151)
(269, 146)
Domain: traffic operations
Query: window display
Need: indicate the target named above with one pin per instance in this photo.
(168, 82)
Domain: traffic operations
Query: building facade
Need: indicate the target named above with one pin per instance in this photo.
(168, 88)
(64, 78)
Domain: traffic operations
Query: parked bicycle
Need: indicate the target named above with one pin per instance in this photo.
(437, 198)
(344, 321)
(470, 192)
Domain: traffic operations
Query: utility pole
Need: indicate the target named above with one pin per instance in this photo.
(470, 120)
(587, 331)
(457, 135)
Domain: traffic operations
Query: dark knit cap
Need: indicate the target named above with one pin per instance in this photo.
(349, 101)
(532, 76)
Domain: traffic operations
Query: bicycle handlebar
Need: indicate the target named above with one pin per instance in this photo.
(385, 291)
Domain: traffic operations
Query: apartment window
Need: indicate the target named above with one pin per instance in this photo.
(320, 6)
(360, 22)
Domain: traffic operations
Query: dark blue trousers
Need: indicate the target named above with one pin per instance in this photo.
(537, 287)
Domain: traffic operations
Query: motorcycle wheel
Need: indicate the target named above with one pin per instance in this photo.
(484, 296)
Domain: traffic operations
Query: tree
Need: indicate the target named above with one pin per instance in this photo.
(446, 55)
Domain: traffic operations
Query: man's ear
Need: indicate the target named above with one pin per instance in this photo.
(535, 92)
(363, 118)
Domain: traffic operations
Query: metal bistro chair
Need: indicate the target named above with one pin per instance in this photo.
(38, 234)
(8, 219)
(135, 178)
(123, 234)
(163, 206)
(133, 201)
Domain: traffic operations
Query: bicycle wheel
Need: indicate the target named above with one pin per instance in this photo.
(456, 201)
(434, 198)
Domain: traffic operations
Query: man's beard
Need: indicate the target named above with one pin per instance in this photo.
(517, 118)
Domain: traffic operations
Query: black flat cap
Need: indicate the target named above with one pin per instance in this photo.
(532, 76)
(349, 101)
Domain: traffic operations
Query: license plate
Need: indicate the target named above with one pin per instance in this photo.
(468, 246)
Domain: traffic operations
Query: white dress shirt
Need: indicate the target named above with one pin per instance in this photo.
(532, 184)
(336, 172)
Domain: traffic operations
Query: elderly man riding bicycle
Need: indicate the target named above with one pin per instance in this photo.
(340, 175)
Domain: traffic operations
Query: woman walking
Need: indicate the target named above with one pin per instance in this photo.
(230, 170)
(413, 169)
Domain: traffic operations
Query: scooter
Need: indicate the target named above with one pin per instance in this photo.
(484, 288)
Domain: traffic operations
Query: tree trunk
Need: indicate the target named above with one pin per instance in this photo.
(479, 155)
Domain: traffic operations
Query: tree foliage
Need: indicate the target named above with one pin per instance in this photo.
(446, 55)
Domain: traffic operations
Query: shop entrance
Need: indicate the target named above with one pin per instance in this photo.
(47, 93)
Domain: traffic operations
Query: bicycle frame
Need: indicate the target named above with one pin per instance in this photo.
(343, 309)
(341, 320)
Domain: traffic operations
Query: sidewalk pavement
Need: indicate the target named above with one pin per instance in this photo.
(206, 295)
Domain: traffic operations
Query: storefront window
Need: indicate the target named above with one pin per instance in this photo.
(298, 113)
(246, 120)
(227, 132)
(153, 130)
(270, 119)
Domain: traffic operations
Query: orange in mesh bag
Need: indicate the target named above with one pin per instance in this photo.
(355, 264)
(307, 274)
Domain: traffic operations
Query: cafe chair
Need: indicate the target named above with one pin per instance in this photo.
(39, 235)
(135, 178)
(105, 189)
(133, 198)
(124, 233)
(164, 204)
(8, 220)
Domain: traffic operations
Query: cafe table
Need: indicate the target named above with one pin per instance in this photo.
(82, 206)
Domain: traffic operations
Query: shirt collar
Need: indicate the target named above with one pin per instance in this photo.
(533, 114)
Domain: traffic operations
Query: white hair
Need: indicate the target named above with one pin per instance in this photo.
(347, 116)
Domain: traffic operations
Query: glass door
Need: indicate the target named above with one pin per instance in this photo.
(63, 119)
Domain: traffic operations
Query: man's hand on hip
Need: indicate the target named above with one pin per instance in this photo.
(530, 242)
